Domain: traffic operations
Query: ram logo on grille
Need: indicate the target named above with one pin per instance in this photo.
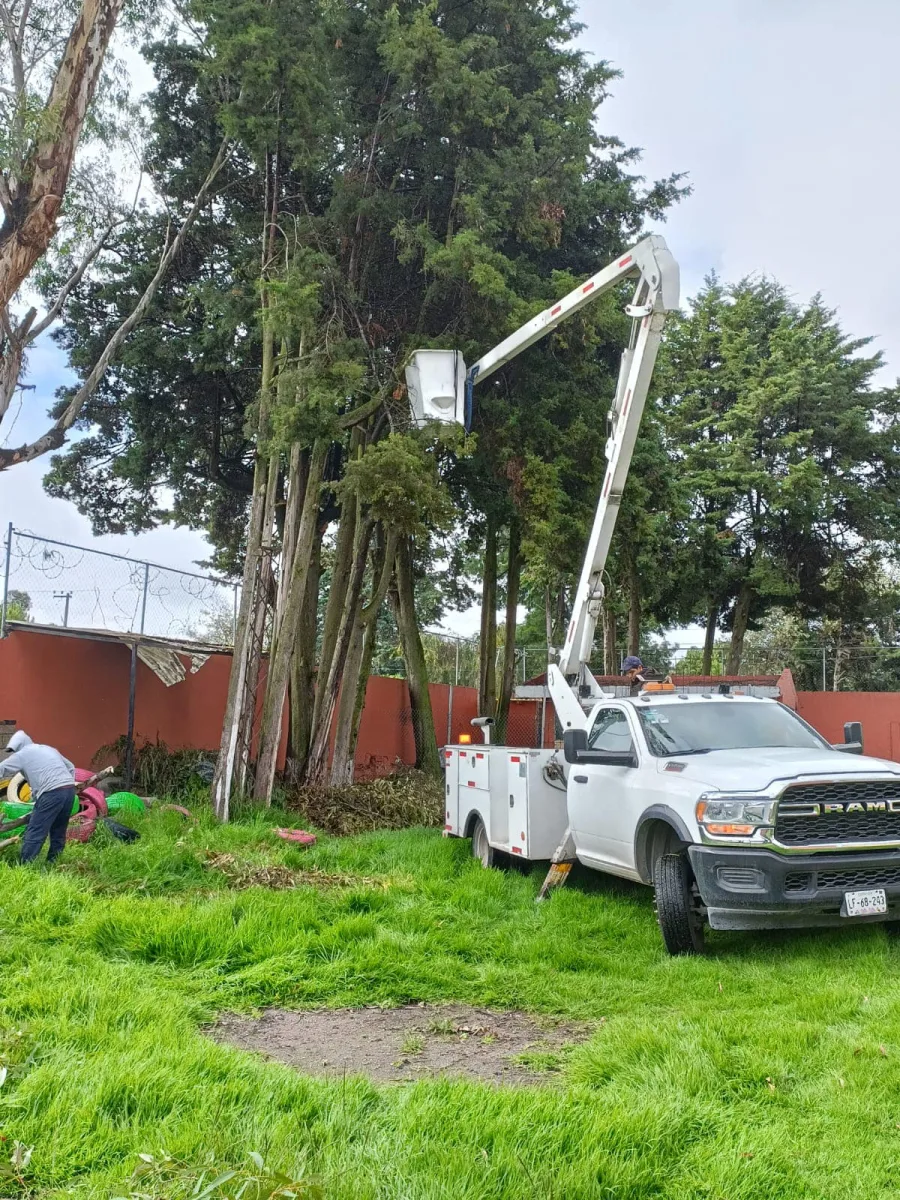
(852, 812)
(851, 806)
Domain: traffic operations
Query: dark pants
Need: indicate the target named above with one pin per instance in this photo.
(50, 816)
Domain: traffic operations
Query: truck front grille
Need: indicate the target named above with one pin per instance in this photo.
(845, 881)
(816, 814)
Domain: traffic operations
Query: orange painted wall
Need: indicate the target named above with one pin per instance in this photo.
(878, 711)
(73, 694)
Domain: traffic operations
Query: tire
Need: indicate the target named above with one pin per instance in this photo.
(481, 847)
(680, 923)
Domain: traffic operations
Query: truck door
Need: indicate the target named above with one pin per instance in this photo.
(604, 802)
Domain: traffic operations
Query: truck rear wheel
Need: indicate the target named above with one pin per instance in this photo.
(481, 847)
(676, 905)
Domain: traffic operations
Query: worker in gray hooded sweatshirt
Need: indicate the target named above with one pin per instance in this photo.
(52, 781)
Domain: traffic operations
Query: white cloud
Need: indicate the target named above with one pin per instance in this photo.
(784, 113)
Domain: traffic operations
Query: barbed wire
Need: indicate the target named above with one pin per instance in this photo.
(96, 589)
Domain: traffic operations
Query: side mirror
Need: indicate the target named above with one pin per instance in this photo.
(574, 744)
(853, 738)
(575, 751)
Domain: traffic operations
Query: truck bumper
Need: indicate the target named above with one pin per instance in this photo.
(759, 889)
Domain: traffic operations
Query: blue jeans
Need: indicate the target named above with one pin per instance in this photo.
(49, 817)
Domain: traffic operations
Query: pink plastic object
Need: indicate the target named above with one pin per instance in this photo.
(80, 830)
(94, 797)
(81, 774)
(297, 835)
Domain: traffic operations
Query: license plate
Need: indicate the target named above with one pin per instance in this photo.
(865, 904)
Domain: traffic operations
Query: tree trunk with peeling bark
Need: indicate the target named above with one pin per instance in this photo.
(56, 434)
(33, 200)
(283, 642)
(230, 749)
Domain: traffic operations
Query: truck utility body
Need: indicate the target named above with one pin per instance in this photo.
(779, 828)
(735, 810)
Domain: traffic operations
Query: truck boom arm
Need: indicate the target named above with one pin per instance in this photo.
(656, 294)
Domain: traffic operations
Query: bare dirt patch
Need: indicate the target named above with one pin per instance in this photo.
(400, 1045)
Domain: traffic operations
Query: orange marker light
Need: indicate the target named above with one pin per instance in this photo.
(465, 739)
(730, 830)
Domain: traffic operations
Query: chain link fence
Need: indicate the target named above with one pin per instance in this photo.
(49, 582)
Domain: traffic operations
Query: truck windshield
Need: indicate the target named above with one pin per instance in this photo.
(722, 725)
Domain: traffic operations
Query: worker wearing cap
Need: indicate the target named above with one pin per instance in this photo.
(633, 670)
(52, 781)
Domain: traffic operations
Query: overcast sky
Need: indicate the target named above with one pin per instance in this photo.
(784, 114)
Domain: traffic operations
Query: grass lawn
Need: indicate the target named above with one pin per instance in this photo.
(770, 1068)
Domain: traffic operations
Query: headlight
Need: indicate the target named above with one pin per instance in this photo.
(732, 816)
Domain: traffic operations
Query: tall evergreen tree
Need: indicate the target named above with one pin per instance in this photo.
(789, 453)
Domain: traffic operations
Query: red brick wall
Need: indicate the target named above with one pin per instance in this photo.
(72, 693)
(878, 711)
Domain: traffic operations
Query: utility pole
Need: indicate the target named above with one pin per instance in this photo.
(67, 596)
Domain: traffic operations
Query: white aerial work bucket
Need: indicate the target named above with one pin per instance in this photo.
(436, 383)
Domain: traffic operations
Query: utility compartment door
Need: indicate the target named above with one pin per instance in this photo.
(517, 810)
(538, 818)
(451, 792)
(475, 768)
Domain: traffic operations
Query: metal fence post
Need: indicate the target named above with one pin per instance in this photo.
(450, 717)
(824, 672)
(132, 691)
(9, 538)
(144, 598)
(456, 677)
(234, 622)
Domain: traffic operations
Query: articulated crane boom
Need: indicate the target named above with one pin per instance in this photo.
(440, 389)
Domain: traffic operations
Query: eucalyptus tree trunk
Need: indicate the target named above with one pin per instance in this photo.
(32, 194)
(340, 581)
(282, 645)
(234, 751)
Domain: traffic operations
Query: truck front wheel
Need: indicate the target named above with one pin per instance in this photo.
(676, 905)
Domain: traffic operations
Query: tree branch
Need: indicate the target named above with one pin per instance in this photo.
(56, 434)
(360, 414)
(49, 164)
(73, 281)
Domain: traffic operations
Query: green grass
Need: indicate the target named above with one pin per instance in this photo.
(770, 1068)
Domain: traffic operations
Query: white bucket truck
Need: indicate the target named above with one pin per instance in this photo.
(732, 808)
